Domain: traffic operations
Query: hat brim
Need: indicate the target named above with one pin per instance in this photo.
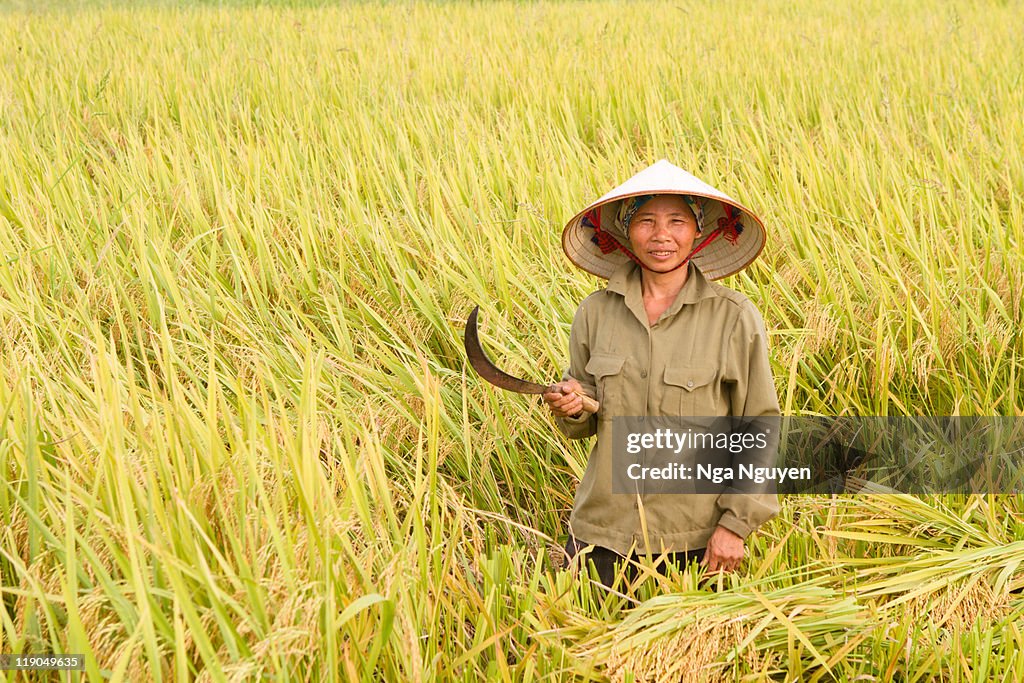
(719, 259)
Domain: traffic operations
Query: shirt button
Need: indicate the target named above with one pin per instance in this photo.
(690, 383)
(643, 373)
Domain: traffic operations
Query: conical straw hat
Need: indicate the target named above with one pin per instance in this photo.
(718, 259)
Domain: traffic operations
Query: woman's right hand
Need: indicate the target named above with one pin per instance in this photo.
(565, 399)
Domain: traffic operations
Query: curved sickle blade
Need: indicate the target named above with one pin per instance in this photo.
(486, 369)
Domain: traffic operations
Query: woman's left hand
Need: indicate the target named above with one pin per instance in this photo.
(724, 551)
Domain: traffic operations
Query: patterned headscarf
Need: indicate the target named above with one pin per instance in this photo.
(629, 206)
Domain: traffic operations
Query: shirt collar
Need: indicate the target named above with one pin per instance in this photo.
(627, 277)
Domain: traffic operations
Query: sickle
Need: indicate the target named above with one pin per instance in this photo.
(490, 372)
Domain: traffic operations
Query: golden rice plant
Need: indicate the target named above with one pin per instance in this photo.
(238, 242)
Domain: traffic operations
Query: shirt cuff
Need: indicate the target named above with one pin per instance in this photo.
(577, 428)
(733, 524)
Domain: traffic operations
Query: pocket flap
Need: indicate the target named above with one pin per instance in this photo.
(689, 378)
(602, 365)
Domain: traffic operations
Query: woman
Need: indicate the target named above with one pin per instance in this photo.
(663, 340)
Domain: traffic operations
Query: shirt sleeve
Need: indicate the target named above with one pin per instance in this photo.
(754, 396)
(579, 354)
(753, 388)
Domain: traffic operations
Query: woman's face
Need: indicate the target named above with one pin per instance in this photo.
(662, 231)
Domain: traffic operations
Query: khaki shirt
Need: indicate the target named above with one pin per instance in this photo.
(707, 355)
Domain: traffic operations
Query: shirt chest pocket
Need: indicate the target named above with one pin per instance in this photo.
(691, 391)
(607, 373)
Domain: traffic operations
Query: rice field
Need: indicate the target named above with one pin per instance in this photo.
(239, 439)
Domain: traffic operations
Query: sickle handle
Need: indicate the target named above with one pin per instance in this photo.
(589, 404)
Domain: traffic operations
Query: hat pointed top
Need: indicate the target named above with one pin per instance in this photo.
(663, 177)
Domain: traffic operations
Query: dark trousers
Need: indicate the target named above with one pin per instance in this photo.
(606, 560)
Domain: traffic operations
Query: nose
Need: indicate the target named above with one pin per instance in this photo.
(661, 228)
